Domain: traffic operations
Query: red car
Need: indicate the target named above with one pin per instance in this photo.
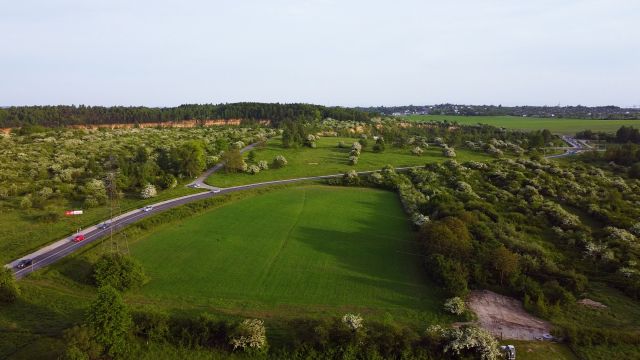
(78, 238)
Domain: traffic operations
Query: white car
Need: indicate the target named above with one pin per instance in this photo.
(215, 191)
(147, 208)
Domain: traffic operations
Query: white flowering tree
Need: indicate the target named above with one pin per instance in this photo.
(419, 219)
(263, 165)
(250, 335)
(353, 321)
(448, 152)
(351, 178)
(455, 305)
(417, 151)
(148, 191)
(279, 161)
(467, 340)
(253, 169)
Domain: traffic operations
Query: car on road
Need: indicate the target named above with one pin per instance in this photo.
(104, 226)
(24, 263)
(215, 191)
(195, 186)
(78, 238)
(147, 208)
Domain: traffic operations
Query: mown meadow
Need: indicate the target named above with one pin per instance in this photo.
(328, 158)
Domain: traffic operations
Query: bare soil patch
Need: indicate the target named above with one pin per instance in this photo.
(592, 304)
(505, 317)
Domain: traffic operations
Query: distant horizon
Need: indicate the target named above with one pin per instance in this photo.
(637, 106)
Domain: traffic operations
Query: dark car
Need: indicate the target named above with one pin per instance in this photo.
(104, 226)
(24, 263)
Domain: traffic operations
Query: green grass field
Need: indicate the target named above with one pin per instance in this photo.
(304, 250)
(560, 126)
(328, 159)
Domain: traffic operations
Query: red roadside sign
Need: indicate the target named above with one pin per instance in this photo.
(73, 212)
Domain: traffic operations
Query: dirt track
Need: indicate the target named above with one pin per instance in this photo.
(504, 317)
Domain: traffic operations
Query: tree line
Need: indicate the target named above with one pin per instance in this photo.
(63, 115)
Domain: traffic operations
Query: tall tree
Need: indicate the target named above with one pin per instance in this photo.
(110, 321)
(191, 158)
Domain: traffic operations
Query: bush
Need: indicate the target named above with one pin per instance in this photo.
(448, 273)
(448, 152)
(353, 321)
(81, 344)
(9, 290)
(263, 165)
(151, 325)
(119, 271)
(351, 178)
(455, 305)
(253, 169)
(250, 335)
(278, 162)
(26, 202)
(449, 237)
(468, 340)
(417, 151)
(353, 160)
(148, 191)
(168, 181)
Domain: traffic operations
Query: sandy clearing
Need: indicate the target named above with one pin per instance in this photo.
(505, 317)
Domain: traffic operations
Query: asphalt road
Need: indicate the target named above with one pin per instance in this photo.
(575, 147)
(56, 251)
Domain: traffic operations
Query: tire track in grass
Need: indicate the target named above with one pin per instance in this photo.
(284, 242)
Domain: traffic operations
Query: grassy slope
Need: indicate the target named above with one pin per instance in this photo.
(328, 159)
(22, 232)
(563, 126)
(283, 253)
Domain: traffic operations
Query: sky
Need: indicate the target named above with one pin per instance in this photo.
(346, 53)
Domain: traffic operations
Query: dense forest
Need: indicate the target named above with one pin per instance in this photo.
(61, 115)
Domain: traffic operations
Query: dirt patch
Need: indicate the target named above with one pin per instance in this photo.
(592, 304)
(505, 318)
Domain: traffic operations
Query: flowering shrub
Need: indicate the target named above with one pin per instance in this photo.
(353, 160)
(376, 178)
(417, 151)
(620, 235)
(419, 219)
(351, 178)
(250, 335)
(353, 321)
(455, 305)
(148, 191)
(279, 161)
(253, 169)
(263, 165)
(448, 152)
(467, 340)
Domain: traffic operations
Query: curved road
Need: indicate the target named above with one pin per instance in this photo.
(61, 248)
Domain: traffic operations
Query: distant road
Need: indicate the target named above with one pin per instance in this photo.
(63, 247)
(576, 146)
